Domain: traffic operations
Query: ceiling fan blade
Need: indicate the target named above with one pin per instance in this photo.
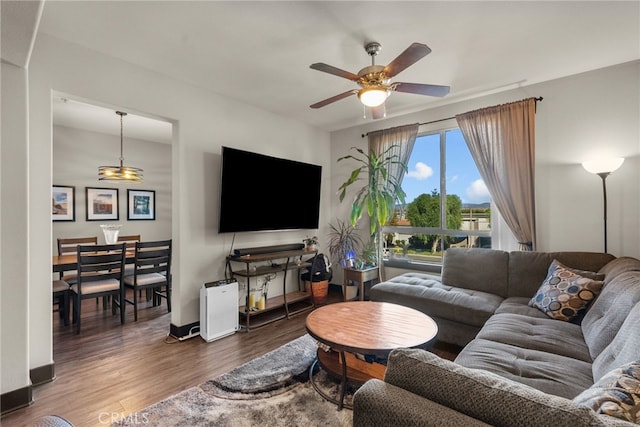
(333, 70)
(378, 112)
(410, 56)
(333, 99)
(422, 89)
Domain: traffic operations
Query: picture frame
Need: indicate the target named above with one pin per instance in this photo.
(63, 203)
(102, 204)
(141, 205)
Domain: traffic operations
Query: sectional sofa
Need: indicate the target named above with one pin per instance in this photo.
(548, 339)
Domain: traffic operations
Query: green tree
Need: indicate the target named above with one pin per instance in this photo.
(424, 211)
(393, 221)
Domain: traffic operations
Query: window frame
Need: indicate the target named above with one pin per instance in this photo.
(433, 266)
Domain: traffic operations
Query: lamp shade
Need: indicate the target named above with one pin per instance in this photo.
(373, 96)
(603, 165)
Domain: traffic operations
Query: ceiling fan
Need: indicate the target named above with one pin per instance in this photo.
(374, 80)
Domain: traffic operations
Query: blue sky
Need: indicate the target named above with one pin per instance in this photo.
(463, 178)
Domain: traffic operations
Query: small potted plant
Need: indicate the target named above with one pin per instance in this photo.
(310, 243)
(369, 255)
(344, 243)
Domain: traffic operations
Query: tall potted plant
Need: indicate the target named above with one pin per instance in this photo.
(379, 191)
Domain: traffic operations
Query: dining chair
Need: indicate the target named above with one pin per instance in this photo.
(152, 270)
(100, 272)
(130, 242)
(68, 246)
(60, 290)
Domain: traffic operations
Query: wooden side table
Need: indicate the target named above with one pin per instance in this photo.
(360, 277)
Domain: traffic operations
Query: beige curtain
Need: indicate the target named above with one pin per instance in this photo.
(502, 142)
(402, 138)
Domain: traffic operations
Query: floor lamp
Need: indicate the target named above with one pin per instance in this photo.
(603, 168)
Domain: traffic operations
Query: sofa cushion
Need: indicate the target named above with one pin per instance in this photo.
(624, 348)
(542, 334)
(616, 394)
(564, 294)
(432, 297)
(481, 269)
(607, 313)
(520, 305)
(619, 265)
(480, 394)
(528, 269)
(547, 372)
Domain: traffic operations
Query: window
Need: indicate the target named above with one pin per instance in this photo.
(447, 202)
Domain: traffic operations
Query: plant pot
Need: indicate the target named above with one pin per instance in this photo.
(349, 292)
(319, 291)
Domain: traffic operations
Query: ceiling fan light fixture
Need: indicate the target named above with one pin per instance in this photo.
(373, 96)
(120, 173)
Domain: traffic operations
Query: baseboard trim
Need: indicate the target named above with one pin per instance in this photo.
(43, 374)
(16, 399)
(183, 331)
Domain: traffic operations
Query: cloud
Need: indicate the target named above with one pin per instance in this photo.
(477, 192)
(421, 171)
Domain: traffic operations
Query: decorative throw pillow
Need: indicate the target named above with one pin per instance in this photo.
(616, 394)
(565, 294)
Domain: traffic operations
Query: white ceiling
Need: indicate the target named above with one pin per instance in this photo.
(260, 52)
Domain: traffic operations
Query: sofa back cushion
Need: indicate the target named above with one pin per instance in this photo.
(476, 268)
(527, 270)
(620, 293)
(624, 348)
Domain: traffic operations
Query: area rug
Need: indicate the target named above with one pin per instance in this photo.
(272, 390)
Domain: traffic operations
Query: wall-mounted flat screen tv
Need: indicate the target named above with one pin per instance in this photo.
(262, 193)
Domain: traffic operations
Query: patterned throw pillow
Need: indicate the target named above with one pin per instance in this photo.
(565, 294)
(616, 394)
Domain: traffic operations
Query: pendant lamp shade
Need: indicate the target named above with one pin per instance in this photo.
(120, 173)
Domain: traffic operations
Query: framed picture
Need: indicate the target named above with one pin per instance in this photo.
(63, 203)
(102, 204)
(141, 204)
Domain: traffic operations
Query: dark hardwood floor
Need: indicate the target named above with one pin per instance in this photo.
(110, 371)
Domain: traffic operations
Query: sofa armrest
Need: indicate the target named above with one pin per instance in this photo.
(377, 403)
(481, 394)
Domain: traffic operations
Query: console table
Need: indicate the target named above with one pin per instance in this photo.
(278, 307)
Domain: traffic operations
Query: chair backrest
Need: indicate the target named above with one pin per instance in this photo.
(130, 240)
(153, 257)
(69, 245)
(100, 262)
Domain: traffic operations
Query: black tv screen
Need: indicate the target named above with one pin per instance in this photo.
(260, 193)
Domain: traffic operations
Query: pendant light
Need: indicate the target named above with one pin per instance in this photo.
(120, 173)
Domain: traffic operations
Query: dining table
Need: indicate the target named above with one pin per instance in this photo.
(62, 263)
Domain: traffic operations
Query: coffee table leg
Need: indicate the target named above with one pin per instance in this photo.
(343, 382)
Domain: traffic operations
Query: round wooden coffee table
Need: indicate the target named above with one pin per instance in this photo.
(360, 335)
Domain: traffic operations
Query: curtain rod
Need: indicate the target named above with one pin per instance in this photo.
(538, 99)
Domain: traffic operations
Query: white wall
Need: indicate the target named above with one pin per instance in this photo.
(581, 117)
(203, 122)
(76, 156)
(14, 292)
